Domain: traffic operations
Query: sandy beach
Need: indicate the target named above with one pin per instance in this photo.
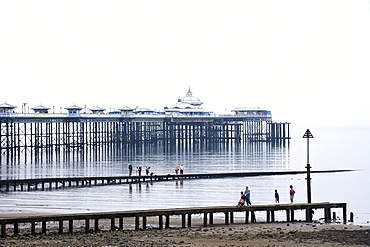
(258, 234)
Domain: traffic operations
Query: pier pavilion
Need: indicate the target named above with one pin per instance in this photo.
(184, 122)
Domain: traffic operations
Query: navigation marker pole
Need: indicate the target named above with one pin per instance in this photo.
(308, 135)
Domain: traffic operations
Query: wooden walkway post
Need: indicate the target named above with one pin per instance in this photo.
(160, 221)
(167, 221)
(227, 218)
(205, 220)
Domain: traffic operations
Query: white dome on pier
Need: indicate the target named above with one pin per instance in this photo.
(190, 99)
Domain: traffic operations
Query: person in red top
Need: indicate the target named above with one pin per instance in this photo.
(291, 193)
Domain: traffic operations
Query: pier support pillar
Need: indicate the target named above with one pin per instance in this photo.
(272, 216)
(253, 217)
(309, 212)
(246, 217)
(70, 226)
(287, 215)
(144, 222)
(87, 226)
(227, 218)
(167, 221)
(183, 220)
(120, 224)
(16, 229)
(327, 215)
(112, 224)
(292, 215)
(61, 227)
(3, 230)
(160, 222)
(345, 215)
(43, 227)
(33, 228)
(137, 223)
(96, 225)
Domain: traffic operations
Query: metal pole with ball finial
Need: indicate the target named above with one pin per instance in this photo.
(308, 135)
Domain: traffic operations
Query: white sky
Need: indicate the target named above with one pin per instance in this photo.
(306, 61)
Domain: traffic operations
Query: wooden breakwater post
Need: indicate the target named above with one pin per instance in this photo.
(184, 213)
(55, 183)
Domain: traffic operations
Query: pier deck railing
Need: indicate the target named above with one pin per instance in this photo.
(185, 213)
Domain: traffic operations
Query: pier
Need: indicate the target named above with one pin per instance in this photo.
(140, 217)
(72, 131)
(58, 183)
(183, 123)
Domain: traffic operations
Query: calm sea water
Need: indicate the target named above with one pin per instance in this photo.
(331, 148)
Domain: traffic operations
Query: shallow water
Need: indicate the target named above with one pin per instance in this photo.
(343, 148)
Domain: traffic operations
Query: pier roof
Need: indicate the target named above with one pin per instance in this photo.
(190, 99)
(126, 108)
(6, 108)
(6, 105)
(188, 105)
(97, 110)
(41, 109)
(73, 109)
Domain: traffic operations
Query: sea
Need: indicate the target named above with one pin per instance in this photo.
(331, 148)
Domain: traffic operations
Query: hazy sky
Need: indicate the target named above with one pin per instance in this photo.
(306, 61)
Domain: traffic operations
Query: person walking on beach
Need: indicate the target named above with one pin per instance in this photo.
(139, 170)
(129, 169)
(247, 194)
(181, 169)
(291, 193)
(277, 197)
(177, 170)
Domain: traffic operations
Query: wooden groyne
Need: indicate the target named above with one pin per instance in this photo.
(57, 183)
(31, 222)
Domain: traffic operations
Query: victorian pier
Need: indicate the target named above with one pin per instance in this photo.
(186, 122)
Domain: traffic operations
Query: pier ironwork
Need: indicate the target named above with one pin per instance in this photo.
(22, 132)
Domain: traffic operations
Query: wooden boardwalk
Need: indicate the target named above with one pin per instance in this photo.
(57, 183)
(140, 217)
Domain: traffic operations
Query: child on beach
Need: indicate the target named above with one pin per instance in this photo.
(291, 194)
(242, 200)
(277, 197)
